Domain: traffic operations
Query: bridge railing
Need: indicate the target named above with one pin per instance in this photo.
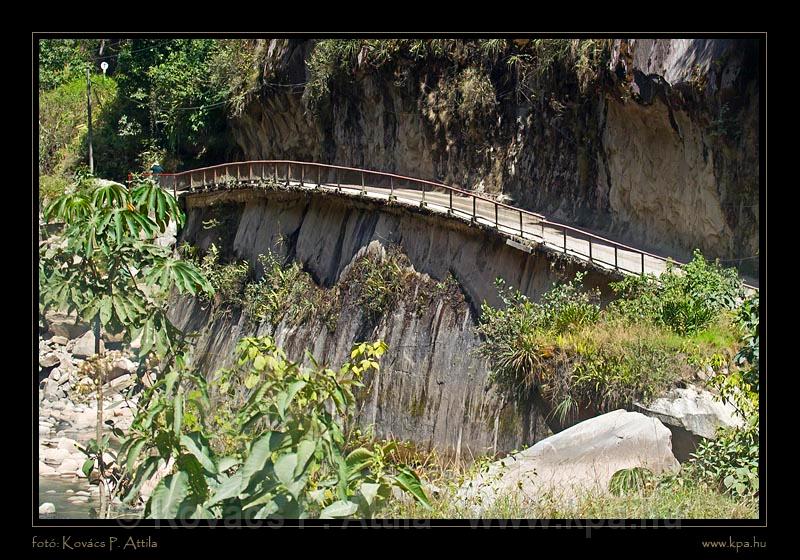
(480, 209)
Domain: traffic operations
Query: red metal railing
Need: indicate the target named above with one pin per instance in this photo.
(478, 208)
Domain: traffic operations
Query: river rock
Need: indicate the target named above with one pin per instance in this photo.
(84, 346)
(575, 461)
(65, 326)
(53, 455)
(47, 508)
(51, 391)
(68, 444)
(48, 360)
(691, 414)
(118, 384)
(59, 340)
(122, 366)
(69, 466)
(45, 469)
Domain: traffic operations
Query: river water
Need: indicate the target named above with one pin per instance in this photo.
(56, 490)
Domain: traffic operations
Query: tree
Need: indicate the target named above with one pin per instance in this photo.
(105, 266)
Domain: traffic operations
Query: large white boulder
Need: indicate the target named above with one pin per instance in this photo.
(574, 462)
(691, 413)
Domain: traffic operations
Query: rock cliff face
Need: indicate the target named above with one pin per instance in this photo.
(660, 150)
(432, 388)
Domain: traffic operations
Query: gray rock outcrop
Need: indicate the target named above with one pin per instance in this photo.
(432, 387)
(670, 129)
(691, 414)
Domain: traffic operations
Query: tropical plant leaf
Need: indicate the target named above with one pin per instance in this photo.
(409, 481)
(229, 488)
(196, 445)
(168, 496)
(341, 508)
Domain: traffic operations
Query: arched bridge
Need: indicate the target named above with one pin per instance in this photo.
(519, 226)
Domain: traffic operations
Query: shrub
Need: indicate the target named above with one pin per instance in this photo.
(288, 458)
(330, 59)
(516, 338)
(51, 186)
(476, 96)
(729, 462)
(748, 356)
(288, 291)
(685, 300)
(228, 280)
(630, 481)
(378, 282)
(62, 122)
(577, 356)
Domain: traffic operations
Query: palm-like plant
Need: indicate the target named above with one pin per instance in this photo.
(103, 264)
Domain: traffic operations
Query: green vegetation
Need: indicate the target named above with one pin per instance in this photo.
(64, 60)
(170, 99)
(730, 461)
(658, 333)
(684, 301)
(288, 291)
(163, 99)
(630, 481)
(62, 130)
(228, 279)
(380, 283)
(104, 265)
(464, 68)
(375, 284)
(655, 335)
(635, 494)
(282, 429)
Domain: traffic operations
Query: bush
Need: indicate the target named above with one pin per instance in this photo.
(748, 356)
(630, 481)
(284, 427)
(51, 187)
(729, 462)
(62, 122)
(577, 356)
(378, 282)
(288, 291)
(516, 337)
(685, 300)
(228, 280)
(476, 96)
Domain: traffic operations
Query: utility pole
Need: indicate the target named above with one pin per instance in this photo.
(89, 109)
